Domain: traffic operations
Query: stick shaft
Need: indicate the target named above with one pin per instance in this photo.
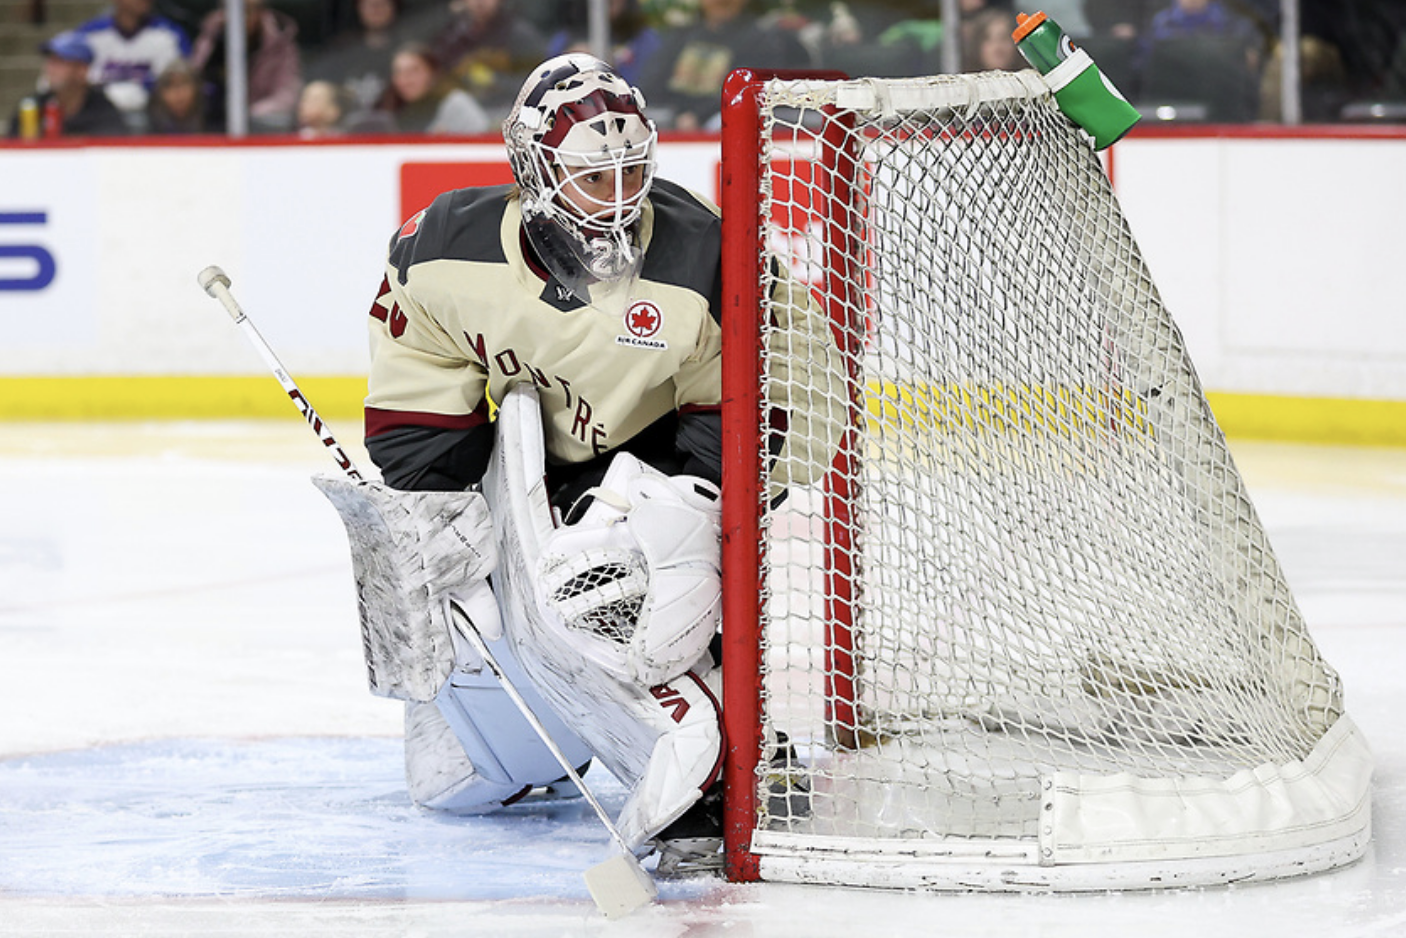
(219, 289)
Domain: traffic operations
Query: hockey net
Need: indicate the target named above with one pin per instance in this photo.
(1015, 622)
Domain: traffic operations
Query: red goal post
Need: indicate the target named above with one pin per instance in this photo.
(743, 289)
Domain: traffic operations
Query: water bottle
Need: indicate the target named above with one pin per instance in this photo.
(1082, 92)
(29, 119)
(52, 120)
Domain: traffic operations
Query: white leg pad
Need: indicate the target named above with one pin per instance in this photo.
(437, 772)
(686, 758)
(467, 746)
(663, 743)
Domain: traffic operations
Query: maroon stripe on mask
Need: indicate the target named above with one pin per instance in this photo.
(589, 107)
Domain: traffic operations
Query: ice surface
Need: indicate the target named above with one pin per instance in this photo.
(187, 745)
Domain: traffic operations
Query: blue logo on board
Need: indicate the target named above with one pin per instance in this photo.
(44, 267)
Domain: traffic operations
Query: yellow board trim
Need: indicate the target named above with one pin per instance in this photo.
(152, 397)
(1311, 419)
(927, 407)
(164, 397)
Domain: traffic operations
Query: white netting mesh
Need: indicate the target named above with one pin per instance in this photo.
(1056, 564)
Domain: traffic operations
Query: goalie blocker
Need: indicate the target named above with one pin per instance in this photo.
(467, 748)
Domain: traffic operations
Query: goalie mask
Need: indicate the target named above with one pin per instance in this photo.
(582, 152)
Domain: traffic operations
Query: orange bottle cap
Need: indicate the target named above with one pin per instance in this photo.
(1025, 25)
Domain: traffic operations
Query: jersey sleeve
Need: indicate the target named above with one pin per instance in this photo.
(807, 390)
(698, 383)
(418, 376)
(427, 423)
(698, 395)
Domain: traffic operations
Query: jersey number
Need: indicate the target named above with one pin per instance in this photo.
(394, 318)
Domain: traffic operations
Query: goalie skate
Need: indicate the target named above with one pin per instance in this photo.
(693, 843)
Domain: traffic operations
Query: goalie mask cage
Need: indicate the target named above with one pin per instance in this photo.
(1018, 620)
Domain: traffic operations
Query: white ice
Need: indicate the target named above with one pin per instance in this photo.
(187, 745)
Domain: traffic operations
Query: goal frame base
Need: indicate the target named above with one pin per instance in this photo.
(998, 867)
(1313, 816)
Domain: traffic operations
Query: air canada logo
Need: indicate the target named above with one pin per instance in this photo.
(643, 321)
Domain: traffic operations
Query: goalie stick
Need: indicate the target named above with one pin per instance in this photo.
(618, 885)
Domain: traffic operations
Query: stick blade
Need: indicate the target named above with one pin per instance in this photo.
(620, 885)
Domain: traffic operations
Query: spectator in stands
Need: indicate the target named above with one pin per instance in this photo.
(987, 44)
(1200, 18)
(71, 106)
(177, 102)
(131, 45)
(668, 13)
(633, 40)
(1118, 19)
(1322, 82)
(684, 79)
(359, 59)
(1366, 35)
(487, 49)
(275, 66)
(911, 42)
(418, 100)
(880, 38)
(322, 108)
(1202, 52)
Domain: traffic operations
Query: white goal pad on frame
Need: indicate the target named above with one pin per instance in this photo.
(1024, 629)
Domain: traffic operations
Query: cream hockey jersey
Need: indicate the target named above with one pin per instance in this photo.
(463, 315)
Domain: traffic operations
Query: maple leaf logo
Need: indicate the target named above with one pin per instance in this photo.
(643, 319)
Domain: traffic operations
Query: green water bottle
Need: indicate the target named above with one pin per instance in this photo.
(1082, 92)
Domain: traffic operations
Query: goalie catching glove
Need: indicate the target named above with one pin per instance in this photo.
(638, 578)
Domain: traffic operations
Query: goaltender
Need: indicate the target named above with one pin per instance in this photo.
(574, 315)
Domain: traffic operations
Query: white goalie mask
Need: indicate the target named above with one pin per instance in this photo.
(583, 153)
